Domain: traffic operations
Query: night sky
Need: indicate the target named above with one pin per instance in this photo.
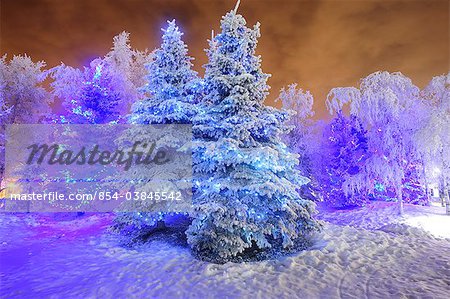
(318, 44)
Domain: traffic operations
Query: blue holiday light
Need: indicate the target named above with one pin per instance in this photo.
(380, 187)
(98, 71)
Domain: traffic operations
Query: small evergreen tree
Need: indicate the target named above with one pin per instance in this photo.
(102, 92)
(246, 202)
(88, 96)
(126, 68)
(96, 94)
(413, 185)
(346, 146)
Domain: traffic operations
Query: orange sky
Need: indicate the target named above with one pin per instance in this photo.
(318, 44)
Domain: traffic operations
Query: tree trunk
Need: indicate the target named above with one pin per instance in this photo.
(427, 191)
(400, 200)
(14, 111)
(160, 224)
(446, 197)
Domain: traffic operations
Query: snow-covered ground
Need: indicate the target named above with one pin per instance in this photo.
(378, 214)
(362, 253)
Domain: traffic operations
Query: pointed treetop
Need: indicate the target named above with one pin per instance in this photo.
(172, 29)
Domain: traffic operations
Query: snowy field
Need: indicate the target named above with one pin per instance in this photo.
(378, 214)
(362, 253)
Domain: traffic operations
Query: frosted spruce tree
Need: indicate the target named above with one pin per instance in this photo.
(172, 90)
(98, 102)
(97, 94)
(245, 178)
(101, 92)
(345, 144)
(88, 96)
(414, 188)
(127, 70)
(171, 86)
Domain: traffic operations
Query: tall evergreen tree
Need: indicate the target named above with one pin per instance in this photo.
(171, 84)
(173, 89)
(126, 67)
(98, 94)
(98, 102)
(246, 203)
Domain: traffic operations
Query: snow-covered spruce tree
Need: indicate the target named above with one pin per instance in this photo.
(387, 105)
(172, 92)
(99, 102)
(88, 96)
(102, 92)
(171, 84)
(414, 188)
(97, 94)
(345, 142)
(434, 136)
(127, 69)
(301, 138)
(246, 202)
